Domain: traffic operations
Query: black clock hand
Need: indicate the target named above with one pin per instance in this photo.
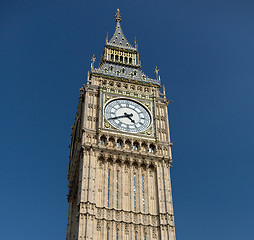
(129, 116)
(131, 119)
(117, 117)
(125, 115)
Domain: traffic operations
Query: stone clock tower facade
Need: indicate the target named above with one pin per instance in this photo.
(120, 156)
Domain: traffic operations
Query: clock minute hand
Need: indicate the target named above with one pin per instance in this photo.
(117, 117)
(125, 115)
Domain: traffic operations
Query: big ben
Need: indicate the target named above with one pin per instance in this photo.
(120, 152)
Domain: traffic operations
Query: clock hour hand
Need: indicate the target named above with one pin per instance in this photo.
(129, 116)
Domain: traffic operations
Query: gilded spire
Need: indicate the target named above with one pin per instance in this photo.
(118, 15)
(121, 60)
(118, 38)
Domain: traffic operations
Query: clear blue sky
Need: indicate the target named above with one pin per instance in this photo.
(205, 53)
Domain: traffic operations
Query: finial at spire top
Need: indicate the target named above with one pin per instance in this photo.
(118, 15)
(92, 61)
(157, 73)
(107, 38)
(135, 41)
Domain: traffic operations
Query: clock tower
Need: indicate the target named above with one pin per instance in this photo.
(120, 153)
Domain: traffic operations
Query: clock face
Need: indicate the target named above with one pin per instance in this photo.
(127, 115)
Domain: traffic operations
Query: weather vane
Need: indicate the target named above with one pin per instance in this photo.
(118, 15)
(92, 61)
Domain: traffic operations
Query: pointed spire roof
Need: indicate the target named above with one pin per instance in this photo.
(118, 39)
(120, 60)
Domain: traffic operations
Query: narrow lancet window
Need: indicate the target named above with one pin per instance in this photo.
(117, 236)
(143, 193)
(103, 140)
(117, 188)
(152, 148)
(134, 184)
(108, 187)
(119, 143)
(107, 235)
(135, 146)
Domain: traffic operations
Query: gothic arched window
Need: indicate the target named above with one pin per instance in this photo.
(119, 143)
(143, 192)
(152, 148)
(135, 146)
(103, 140)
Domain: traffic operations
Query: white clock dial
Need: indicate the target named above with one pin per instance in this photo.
(127, 115)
